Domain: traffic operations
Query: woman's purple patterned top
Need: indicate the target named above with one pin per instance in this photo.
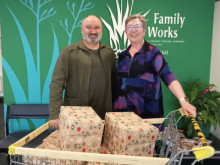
(138, 87)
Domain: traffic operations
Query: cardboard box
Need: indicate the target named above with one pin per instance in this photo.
(80, 120)
(78, 143)
(81, 129)
(127, 134)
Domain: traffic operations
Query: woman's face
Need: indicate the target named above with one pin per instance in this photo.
(134, 31)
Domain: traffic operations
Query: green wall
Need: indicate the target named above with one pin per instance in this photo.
(34, 32)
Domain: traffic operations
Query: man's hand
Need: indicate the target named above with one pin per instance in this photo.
(54, 124)
(187, 107)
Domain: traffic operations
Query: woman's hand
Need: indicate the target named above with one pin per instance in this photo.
(54, 124)
(177, 90)
(187, 107)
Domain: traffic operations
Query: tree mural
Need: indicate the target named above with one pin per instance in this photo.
(77, 23)
(42, 10)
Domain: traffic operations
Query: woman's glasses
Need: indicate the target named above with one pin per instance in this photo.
(130, 28)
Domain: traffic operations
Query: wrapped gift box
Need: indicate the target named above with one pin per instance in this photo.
(139, 133)
(126, 133)
(80, 120)
(81, 144)
(51, 142)
(146, 149)
(103, 150)
(81, 129)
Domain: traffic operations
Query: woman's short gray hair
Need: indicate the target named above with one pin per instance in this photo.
(138, 16)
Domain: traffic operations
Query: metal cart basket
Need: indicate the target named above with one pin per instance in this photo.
(167, 151)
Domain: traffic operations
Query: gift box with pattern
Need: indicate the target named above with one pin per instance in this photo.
(81, 129)
(146, 149)
(51, 142)
(103, 150)
(127, 134)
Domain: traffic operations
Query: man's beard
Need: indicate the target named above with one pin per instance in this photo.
(86, 37)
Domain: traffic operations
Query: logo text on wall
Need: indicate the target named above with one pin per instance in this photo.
(168, 32)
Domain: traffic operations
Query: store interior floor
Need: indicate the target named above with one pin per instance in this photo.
(3, 160)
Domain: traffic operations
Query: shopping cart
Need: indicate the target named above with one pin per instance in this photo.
(167, 151)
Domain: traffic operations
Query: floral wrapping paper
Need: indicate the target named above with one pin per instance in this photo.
(146, 149)
(80, 120)
(143, 133)
(117, 147)
(139, 150)
(103, 150)
(127, 134)
(81, 129)
(82, 144)
(51, 142)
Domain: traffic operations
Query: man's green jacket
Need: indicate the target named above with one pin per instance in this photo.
(72, 73)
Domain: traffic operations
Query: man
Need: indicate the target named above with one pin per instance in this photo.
(85, 71)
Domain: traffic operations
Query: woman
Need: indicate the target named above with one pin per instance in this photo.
(140, 68)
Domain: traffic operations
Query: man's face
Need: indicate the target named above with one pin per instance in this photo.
(91, 29)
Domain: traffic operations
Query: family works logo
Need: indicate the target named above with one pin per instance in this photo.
(117, 37)
(172, 25)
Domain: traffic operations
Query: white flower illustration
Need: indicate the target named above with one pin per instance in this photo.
(118, 39)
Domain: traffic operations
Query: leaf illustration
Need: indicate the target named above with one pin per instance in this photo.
(80, 23)
(116, 31)
(14, 82)
(31, 124)
(44, 12)
(45, 95)
(51, 9)
(31, 3)
(66, 23)
(73, 7)
(76, 23)
(33, 83)
(19, 123)
(88, 4)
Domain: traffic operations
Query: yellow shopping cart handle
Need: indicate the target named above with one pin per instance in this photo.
(203, 152)
(200, 152)
(196, 128)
